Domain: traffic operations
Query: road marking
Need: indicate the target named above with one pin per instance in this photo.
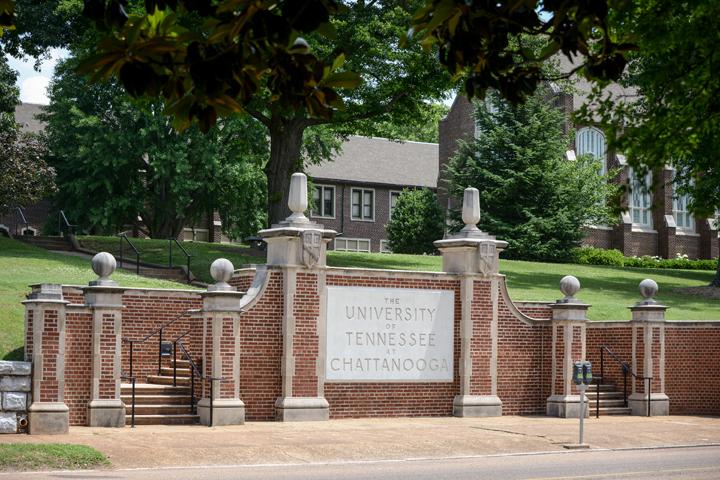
(626, 474)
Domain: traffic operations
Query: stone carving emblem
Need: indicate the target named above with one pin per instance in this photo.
(311, 242)
(487, 258)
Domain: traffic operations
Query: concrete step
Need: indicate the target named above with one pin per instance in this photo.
(181, 372)
(154, 389)
(605, 395)
(603, 388)
(157, 399)
(179, 419)
(167, 380)
(612, 411)
(158, 409)
(608, 403)
(48, 243)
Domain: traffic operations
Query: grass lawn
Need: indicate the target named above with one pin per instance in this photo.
(49, 456)
(158, 252)
(22, 265)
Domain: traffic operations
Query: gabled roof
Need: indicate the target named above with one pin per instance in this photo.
(382, 161)
(25, 116)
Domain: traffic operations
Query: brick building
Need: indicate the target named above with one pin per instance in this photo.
(355, 193)
(656, 220)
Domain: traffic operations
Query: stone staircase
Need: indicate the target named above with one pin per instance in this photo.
(47, 242)
(611, 399)
(158, 402)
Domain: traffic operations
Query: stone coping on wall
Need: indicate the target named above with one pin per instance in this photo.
(135, 289)
(667, 323)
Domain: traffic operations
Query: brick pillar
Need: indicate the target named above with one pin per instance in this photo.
(297, 247)
(104, 299)
(45, 348)
(221, 350)
(648, 353)
(709, 242)
(667, 240)
(474, 255)
(569, 320)
(622, 233)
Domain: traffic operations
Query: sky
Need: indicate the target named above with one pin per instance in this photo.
(33, 83)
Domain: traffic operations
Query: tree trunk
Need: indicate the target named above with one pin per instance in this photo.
(285, 159)
(716, 280)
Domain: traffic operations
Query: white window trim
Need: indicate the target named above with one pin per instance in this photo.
(641, 227)
(346, 239)
(334, 202)
(681, 230)
(355, 219)
(390, 194)
(603, 157)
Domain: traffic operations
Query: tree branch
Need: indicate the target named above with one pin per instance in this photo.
(258, 116)
(362, 116)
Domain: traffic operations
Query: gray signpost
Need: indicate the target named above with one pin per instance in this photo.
(582, 377)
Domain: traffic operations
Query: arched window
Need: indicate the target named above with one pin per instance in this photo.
(640, 202)
(590, 140)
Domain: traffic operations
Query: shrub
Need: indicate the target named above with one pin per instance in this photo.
(599, 256)
(417, 221)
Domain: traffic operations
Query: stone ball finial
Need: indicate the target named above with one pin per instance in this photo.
(222, 270)
(104, 264)
(471, 208)
(569, 286)
(648, 289)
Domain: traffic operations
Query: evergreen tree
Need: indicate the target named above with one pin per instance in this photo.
(417, 221)
(530, 194)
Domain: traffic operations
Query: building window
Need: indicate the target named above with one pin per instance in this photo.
(683, 218)
(385, 246)
(640, 202)
(363, 204)
(323, 202)
(394, 195)
(591, 141)
(352, 245)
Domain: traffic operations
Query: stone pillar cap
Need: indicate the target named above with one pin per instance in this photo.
(104, 265)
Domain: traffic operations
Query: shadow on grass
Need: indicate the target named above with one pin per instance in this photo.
(15, 355)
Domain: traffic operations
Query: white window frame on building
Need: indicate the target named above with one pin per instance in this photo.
(319, 207)
(362, 245)
(591, 140)
(640, 201)
(391, 205)
(367, 212)
(684, 220)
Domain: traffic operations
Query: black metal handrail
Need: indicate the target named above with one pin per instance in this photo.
(182, 249)
(64, 223)
(21, 215)
(157, 331)
(625, 367)
(193, 370)
(122, 254)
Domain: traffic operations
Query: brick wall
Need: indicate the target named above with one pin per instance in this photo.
(524, 359)
(692, 381)
(78, 363)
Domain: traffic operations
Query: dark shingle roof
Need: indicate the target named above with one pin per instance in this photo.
(25, 116)
(382, 161)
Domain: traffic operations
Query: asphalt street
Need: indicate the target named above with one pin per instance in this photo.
(697, 463)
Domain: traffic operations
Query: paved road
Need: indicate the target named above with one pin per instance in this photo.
(698, 463)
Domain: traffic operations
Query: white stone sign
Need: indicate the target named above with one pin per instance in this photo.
(389, 334)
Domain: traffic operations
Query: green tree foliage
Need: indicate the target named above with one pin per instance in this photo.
(675, 120)
(9, 96)
(118, 159)
(530, 194)
(417, 221)
(424, 128)
(24, 176)
(483, 41)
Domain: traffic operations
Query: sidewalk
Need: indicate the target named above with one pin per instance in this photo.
(374, 439)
